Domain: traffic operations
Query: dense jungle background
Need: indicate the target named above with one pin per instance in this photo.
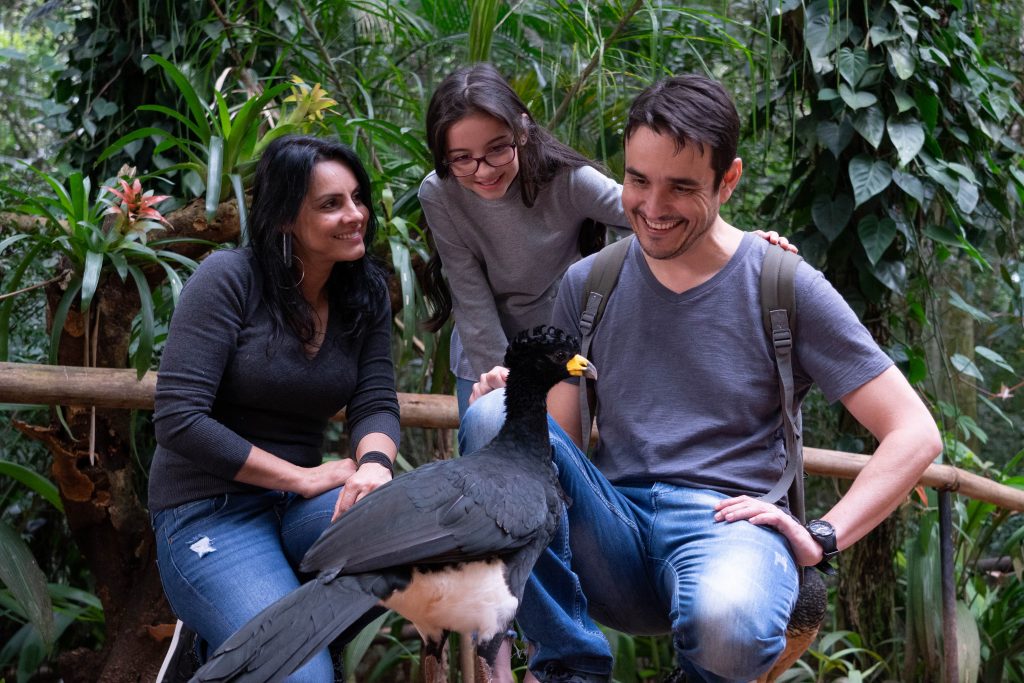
(883, 137)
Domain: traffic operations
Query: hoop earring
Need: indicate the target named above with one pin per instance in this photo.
(286, 249)
(302, 270)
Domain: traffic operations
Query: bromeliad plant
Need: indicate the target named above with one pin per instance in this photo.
(76, 226)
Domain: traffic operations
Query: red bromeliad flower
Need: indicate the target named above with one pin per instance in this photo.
(135, 210)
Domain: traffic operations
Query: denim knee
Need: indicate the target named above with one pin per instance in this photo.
(729, 633)
(482, 421)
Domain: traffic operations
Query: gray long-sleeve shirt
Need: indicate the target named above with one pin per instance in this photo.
(504, 260)
(226, 384)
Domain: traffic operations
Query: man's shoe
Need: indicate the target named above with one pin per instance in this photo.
(180, 662)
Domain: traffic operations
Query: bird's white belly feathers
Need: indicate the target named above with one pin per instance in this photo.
(472, 599)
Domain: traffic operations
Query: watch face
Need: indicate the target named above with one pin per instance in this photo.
(820, 527)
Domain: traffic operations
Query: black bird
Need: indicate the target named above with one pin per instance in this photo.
(448, 545)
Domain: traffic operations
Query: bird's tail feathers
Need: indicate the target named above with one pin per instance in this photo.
(288, 633)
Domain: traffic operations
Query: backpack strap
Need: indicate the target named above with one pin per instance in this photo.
(778, 310)
(601, 280)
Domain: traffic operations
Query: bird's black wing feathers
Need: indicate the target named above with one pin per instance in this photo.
(432, 515)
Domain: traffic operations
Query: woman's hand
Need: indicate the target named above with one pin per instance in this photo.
(366, 478)
(806, 550)
(775, 238)
(326, 476)
(496, 378)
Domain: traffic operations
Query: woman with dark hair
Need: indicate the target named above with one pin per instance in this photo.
(267, 343)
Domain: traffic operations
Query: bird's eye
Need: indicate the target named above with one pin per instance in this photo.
(561, 356)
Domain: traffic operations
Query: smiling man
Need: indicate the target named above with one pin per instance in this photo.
(665, 532)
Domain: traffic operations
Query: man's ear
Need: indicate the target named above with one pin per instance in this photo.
(730, 180)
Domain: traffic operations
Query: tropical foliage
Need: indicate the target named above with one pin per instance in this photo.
(885, 137)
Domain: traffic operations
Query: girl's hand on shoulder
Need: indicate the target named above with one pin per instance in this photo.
(776, 238)
(366, 478)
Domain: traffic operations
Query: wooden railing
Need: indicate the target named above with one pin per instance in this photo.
(23, 383)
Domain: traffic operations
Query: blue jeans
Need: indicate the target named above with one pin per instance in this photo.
(223, 559)
(650, 559)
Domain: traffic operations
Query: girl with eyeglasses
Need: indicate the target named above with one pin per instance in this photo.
(507, 204)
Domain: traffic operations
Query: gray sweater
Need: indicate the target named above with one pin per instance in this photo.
(504, 261)
(227, 383)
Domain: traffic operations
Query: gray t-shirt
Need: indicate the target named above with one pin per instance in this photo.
(687, 391)
(504, 260)
(227, 383)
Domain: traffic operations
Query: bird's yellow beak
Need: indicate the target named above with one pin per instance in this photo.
(578, 366)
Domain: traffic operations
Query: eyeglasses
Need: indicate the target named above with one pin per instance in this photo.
(501, 155)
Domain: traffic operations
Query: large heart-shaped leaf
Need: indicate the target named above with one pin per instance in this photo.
(855, 99)
(892, 274)
(909, 184)
(907, 137)
(852, 64)
(831, 214)
(835, 136)
(901, 61)
(868, 177)
(870, 123)
(876, 236)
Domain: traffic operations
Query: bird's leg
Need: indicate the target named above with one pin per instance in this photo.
(486, 656)
(435, 664)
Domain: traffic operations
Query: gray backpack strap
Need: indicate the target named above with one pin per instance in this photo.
(601, 280)
(778, 309)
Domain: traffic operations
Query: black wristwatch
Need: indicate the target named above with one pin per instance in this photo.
(824, 534)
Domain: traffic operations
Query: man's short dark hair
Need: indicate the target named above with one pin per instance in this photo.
(691, 109)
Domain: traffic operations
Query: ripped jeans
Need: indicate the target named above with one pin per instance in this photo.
(223, 559)
(648, 559)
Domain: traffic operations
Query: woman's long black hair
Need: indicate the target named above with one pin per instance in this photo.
(355, 289)
(480, 89)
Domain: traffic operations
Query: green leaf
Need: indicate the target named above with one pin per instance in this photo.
(993, 357)
(928, 106)
(243, 214)
(870, 123)
(90, 277)
(103, 108)
(854, 99)
(195, 106)
(139, 134)
(910, 184)
(966, 195)
(957, 301)
(965, 366)
(901, 61)
(904, 102)
(214, 170)
(853, 64)
(831, 215)
(26, 582)
(892, 274)
(907, 137)
(34, 481)
(356, 648)
(835, 136)
(868, 177)
(144, 352)
(876, 236)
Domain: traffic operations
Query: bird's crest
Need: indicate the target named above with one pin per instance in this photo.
(539, 340)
